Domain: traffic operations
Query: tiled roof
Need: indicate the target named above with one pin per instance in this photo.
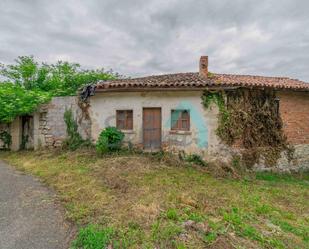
(194, 80)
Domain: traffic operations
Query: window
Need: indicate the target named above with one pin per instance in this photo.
(124, 119)
(180, 120)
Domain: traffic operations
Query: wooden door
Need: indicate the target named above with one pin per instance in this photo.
(152, 128)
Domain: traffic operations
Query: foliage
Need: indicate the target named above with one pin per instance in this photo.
(110, 139)
(60, 79)
(217, 98)
(6, 138)
(16, 101)
(172, 214)
(93, 237)
(196, 159)
(74, 140)
(29, 83)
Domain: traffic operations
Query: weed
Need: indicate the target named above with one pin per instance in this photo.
(172, 214)
(164, 234)
(74, 139)
(93, 237)
(196, 159)
(299, 231)
(210, 237)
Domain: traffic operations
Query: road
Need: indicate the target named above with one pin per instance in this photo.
(30, 217)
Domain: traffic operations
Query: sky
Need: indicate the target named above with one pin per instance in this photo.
(146, 37)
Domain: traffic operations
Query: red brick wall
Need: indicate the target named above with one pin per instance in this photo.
(294, 110)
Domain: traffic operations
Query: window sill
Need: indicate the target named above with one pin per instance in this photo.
(179, 132)
(128, 131)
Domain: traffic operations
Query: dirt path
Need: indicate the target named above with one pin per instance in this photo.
(29, 216)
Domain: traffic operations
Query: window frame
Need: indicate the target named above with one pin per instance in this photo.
(178, 125)
(127, 123)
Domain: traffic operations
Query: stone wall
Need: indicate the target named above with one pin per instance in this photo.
(50, 128)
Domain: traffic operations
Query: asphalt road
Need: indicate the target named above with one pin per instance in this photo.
(30, 217)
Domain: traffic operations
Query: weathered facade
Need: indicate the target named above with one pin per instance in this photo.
(294, 111)
(167, 93)
(166, 112)
(200, 138)
(50, 128)
(46, 128)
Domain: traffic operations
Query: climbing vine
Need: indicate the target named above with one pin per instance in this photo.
(74, 139)
(250, 119)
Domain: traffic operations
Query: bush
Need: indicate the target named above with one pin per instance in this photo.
(196, 159)
(110, 139)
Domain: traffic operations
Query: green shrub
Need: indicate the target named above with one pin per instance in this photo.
(110, 139)
(196, 159)
(93, 237)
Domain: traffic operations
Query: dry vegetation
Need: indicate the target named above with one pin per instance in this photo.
(148, 202)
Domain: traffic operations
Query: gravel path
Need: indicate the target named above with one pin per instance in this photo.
(29, 215)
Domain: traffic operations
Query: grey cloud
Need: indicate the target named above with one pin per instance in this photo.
(138, 37)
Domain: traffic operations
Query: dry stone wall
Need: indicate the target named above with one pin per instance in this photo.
(51, 129)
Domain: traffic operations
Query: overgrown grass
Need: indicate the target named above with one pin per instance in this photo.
(147, 201)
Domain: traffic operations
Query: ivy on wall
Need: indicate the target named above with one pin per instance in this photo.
(250, 119)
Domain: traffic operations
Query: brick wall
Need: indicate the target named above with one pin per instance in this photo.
(294, 110)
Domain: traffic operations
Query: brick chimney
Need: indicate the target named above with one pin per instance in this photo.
(204, 66)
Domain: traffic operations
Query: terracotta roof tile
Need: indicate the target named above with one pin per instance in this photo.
(194, 80)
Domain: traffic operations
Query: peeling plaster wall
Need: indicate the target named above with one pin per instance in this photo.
(201, 139)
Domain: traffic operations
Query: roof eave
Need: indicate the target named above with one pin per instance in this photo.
(158, 89)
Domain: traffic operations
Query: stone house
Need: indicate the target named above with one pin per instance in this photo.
(166, 112)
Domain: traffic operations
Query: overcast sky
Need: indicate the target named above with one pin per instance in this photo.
(142, 37)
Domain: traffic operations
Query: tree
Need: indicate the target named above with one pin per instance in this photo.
(60, 79)
(16, 101)
(29, 83)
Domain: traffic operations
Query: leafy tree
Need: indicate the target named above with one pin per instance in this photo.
(23, 73)
(29, 83)
(60, 79)
(16, 101)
